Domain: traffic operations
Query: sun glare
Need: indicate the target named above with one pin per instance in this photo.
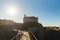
(12, 11)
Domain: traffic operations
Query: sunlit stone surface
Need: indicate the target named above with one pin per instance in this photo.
(25, 36)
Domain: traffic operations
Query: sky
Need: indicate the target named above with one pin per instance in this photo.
(48, 11)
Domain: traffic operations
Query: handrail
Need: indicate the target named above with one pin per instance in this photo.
(24, 35)
(18, 34)
(14, 37)
(34, 36)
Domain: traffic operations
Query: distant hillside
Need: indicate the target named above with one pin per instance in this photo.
(9, 24)
(6, 22)
(54, 28)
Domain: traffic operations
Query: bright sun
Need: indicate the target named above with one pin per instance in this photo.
(12, 11)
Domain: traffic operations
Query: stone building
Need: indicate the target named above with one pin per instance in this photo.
(27, 19)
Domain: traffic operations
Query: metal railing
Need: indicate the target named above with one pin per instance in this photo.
(20, 33)
(34, 36)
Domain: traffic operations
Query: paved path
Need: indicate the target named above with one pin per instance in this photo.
(25, 36)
